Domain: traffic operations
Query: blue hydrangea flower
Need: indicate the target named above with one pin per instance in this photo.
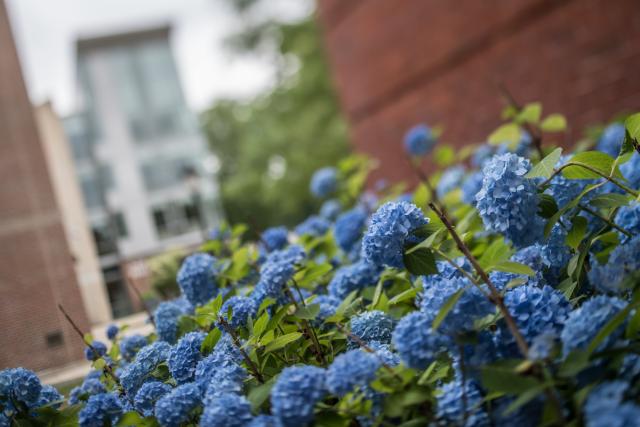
(483, 153)
(478, 352)
(419, 140)
(99, 350)
(348, 228)
(89, 387)
(48, 395)
(606, 406)
(295, 394)
(372, 325)
(225, 379)
(471, 305)
(470, 187)
(384, 353)
(148, 395)
(542, 345)
(263, 420)
(628, 217)
(623, 260)
(611, 139)
(330, 209)
(224, 355)
(451, 404)
(352, 369)
(112, 331)
(536, 311)
(631, 171)
(324, 182)
(508, 202)
(585, 322)
(197, 278)
(416, 342)
(130, 345)
(450, 180)
(389, 231)
(328, 305)
(229, 410)
(313, 226)
(241, 308)
(564, 190)
(184, 356)
(555, 252)
(275, 272)
(166, 318)
(353, 277)
(275, 238)
(175, 407)
(21, 385)
(100, 410)
(147, 359)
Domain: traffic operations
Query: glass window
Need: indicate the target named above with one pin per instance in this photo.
(175, 218)
(164, 173)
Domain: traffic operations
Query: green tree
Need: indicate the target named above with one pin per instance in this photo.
(270, 146)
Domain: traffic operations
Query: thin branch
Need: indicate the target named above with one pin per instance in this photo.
(107, 369)
(425, 180)
(236, 341)
(594, 170)
(307, 327)
(495, 296)
(605, 219)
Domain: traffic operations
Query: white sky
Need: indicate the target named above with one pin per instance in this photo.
(46, 30)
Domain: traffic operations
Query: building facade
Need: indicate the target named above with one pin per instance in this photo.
(147, 177)
(36, 264)
(440, 62)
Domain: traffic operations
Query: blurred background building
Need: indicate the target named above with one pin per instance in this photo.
(146, 174)
(440, 62)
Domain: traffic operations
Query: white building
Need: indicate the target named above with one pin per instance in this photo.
(144, 168)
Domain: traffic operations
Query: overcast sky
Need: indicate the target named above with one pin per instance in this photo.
(46, 30)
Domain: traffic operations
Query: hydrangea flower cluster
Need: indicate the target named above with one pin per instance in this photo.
(349, 227)
(372, 326)
(508, 202)
(390, 230)
(419, 140)
(324, 182)
(611, 139)
(389, 318)
(295, 394)
(275, 238)
(197, 278)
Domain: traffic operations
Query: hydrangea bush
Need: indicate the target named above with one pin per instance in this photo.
(503, 290)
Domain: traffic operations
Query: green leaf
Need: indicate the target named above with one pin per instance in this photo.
(505, 380)
(546, 166)
(260, 325)
(547, 206)
(632, 124)
(514, 267)
(508, 133)
(282, 341)
(403, 296)
(421, 196)
(210, 341)
(597, 160)
(572, 204)
(258, 395)
(609, 200)
(421, 262)
(309, 312)
(554, 123)
(530, 113)
(497, 252)
(577, 232)
(447, 307)
(444, 155)
(308, 276)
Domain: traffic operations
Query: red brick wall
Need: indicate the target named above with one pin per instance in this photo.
(36, 268)
(397, 63)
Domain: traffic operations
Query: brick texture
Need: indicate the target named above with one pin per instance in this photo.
(396, 64)
(36, 268)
